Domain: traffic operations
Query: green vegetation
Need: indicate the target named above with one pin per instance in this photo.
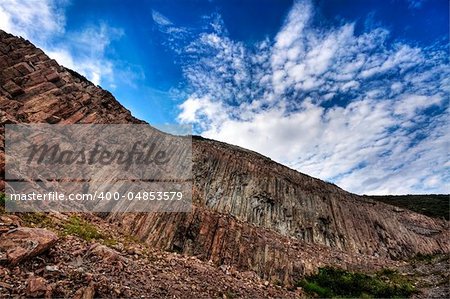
(3, 202)
(335, 283)
(81, 228)
(41, 220)
(433, 205)
(430, 258)
(427, 258)
(277, 282)
(2, 199)
(228, 295)
(109, 241)
(73, 226)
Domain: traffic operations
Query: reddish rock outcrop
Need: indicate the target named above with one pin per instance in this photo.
(22, 243)
(256, 190)
(250, 212)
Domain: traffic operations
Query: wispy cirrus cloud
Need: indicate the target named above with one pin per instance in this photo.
(356, 109)
(86, 52)
(160, 19)
(415, 4)
(43, 23)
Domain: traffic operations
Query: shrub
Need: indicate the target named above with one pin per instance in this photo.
(37, 219)
(331, 282)
(83, 229)
(2, 200)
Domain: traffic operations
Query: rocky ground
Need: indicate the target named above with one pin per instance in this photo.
(38, 262)
(50, 256)
(431, 275)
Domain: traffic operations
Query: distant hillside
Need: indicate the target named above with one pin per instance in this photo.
(433, 205)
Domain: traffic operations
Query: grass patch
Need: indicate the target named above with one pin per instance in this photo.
(427, 258)
(41, 220)
(31, 219)
(5, 201)
(109, 242)
(332, 283)
(73, 226)
(313, 288)
(81, 228)
(430, 258)
(2, 199)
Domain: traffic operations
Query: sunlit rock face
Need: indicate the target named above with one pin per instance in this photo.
(249, 212)
(259, 191)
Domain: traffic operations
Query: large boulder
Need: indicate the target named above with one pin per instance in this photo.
(22, 243)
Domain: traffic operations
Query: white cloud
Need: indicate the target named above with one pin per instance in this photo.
(86, 52)
(43, 23)
(164, 25)
(32, 19)
(160, 19)
(410, 104)
(194, 107)
(339, 106)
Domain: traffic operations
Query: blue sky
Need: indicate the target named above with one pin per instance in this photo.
(353, 92)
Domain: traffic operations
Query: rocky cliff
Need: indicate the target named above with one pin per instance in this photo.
(258, 215)
(249, 212)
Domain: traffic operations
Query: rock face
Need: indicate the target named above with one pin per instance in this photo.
(35, 89)
(256, 190)
(224, 240)
(249, 212)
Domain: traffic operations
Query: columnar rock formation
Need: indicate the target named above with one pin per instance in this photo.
(255, 214)
(249, 212)
(36, 89)
(256, 190)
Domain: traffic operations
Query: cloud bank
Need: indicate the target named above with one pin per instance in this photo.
(366, 113)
